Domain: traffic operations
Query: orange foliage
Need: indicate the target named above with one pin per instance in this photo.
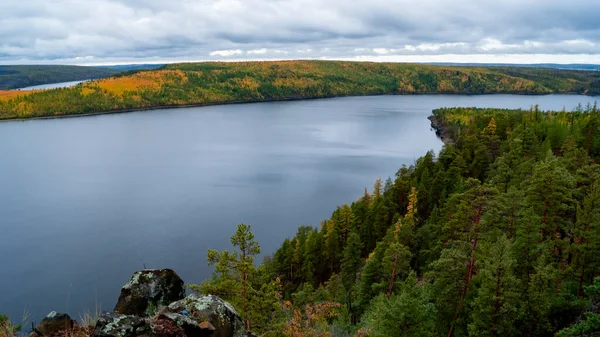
(9, 94)
(147, 80)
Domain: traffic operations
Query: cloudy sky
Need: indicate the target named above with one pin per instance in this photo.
(156, 31)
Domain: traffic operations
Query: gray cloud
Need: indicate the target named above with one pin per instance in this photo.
(109, 31)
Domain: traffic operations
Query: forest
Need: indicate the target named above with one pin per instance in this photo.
(232, 82)
(496, 235)
(21, 76)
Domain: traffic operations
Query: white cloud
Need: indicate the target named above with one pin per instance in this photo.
(260, 51)
(381, 51)
(62, 31)
(226, 53)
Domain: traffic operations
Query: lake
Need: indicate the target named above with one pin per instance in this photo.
(53, 85)
(85, 202)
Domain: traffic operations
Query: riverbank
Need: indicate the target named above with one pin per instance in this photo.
(291, 99)
(204, 84)
(440, 130)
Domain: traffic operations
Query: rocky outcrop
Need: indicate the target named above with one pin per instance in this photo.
(113, 325)
(148, 290)
(440, 130)
(54, 323)
(152, 304)
(211, 311)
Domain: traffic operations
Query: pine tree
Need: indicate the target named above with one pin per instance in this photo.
(526, 247)
(235, 267)
(396, 260)
(407, 313)
(587, 235)
(332, 245)
(495, 307)
(448, 275)
(536, 298)
(351, 263)
(590, 324)
(372, 276)
(550, 193)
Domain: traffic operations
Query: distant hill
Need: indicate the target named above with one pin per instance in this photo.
(209, 83)
(132, 67)
(21, 76)
(574, 66)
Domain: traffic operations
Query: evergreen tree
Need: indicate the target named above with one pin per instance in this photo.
(450, 284)
(495, 307)
(587, 235)
(407, 313)
(589, 324)
(234, 268)
(351, 263)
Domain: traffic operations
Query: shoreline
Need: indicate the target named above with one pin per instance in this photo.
(440, 130)
(289, 99)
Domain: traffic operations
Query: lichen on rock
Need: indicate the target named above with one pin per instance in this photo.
(117, 325)
(212, 309)
(152, 304)
(148, 290)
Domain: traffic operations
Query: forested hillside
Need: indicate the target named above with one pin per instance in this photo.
(497, 235)
(217, 83)
(13, 77)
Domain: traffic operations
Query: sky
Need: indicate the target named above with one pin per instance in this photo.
(94, 32)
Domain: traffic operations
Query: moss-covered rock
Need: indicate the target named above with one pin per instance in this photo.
(149, 290)
(117, 325)
(211, 311)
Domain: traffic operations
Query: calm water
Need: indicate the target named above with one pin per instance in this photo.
(53, 85)
(85, 202)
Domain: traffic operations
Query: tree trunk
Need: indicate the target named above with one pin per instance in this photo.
(469, 275)
(580, 288)
(245, 293)
(393, 279)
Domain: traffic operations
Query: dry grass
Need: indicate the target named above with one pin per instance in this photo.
(89, 320)
(10, 329)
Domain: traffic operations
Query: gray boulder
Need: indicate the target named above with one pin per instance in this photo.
(53, 323)
(209, 312)
(148, 290)
(117, 325)
(190, 327)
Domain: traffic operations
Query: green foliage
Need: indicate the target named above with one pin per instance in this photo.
(10, 329)
(497, 235)
(228, 82)
(410, 312)
(13, 77)
(351, 264)
(589, 324)
(495, 306)
(233, 270)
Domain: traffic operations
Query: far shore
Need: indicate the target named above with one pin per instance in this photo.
(181, 106)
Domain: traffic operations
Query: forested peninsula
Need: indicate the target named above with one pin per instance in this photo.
(497, 235)
(223, 82)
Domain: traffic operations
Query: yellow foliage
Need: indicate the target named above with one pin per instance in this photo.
(313, 321)
(6, 95)
(247, 83)
(87, 91)
(146, 80)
